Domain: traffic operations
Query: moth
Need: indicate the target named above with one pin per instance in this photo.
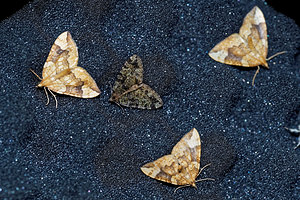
(129, 89)
(249, 47)
(181, 167)
(61, 73)
(295, 131)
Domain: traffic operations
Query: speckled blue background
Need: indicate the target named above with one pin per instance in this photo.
(92, 149)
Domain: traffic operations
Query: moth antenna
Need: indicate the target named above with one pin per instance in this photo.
(203, 169)
(54, 97)
(205, 179)
(253, 79)
(47, 96)
(111, 88)
(35, 74)
(276, 54)
(293, 130)
(298, 145)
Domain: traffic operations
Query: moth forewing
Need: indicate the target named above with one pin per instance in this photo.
(249, 47)
(181, 167)
(61, 73)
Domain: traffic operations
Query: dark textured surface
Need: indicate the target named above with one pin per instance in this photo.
(92, 149)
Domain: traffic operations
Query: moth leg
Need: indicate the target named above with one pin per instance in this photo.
(47, 96)
(182, 186)
(258, 68)
(276, 54)
(120, 106)
(54, 97)
(253, 79)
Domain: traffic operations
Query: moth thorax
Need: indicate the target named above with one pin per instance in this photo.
(43, 83)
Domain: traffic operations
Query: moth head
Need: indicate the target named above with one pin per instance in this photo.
(114, 97)
(133, 58)
(191, 183)
(194, 185)
(266, 65)
(43, 83)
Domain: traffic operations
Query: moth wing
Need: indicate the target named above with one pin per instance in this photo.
(164, 169)
(234, 50)
(130, 74)
(254, 30)
(63, 55)
(144, 98)
(157, 168)
(75, 82)
(188, 152)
